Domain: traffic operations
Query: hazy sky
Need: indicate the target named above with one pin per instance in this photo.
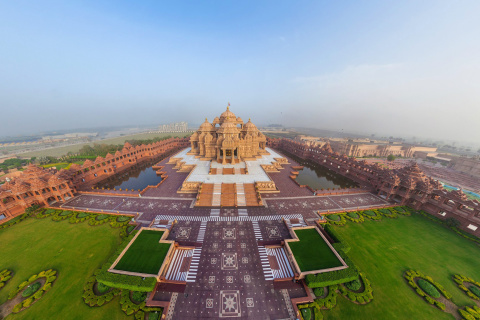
(385, 67)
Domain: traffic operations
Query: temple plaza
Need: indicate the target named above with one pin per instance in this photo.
(229, 232)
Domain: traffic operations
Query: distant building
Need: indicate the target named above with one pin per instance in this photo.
(369, 148)
(467, 165)
(174, 127)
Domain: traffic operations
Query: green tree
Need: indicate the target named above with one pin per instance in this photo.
(391, 157)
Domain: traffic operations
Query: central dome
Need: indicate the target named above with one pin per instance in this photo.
(228, 116)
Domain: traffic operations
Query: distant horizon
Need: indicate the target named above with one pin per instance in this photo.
(393, 69)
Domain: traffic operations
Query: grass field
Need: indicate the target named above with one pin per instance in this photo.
(145, 255)
(61, 151)
(75, 250)
(383, 250)
(312, 252)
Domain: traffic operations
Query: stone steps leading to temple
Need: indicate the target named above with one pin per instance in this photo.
(241, 200)
(217, 194)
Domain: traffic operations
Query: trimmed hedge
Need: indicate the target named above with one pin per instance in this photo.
(101, 288)
(354, 285)
(79, 217)
(31, 289)
(470, 313)
(93, 300)
(124, 218)
(428, 288)
(313, 308)
(5, 275)
(330, 300)
(127, 282)
(387, 213)
(341, 243)
(473, 290)
(371, 214)
(333, 217)
(336, 219)
(412, 275)
(363, 297)
(50, 277)
(139, 296)
(333, 277)
(355, 217)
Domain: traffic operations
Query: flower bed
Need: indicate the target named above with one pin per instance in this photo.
(355, 217)
(428, 293)
(336, 219)
(371, 214)
(473, 291)
(388, 213)
(31, 293)
(5, 275)
(363, 297)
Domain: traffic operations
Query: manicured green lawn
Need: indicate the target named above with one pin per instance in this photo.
(75, 250)
(145, 255)
(384, 249)
(312, 252)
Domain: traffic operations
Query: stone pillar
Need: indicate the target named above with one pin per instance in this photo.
(233, 156)
(224, 159)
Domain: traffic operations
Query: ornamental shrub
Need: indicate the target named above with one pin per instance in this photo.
(17, 308)
(475, 290)
(353, 214)
(139, 296)
(31, 289)
(354, 285)
(123, 218)
(82, 215)
(466, 315)
(122, 281)
(26, 303)
(101, 217)
(102, 288)
(333, 217)
(429, 288)
(369, 213)
(307, 314)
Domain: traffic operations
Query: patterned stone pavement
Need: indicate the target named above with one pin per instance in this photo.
(230, 280)
(234, 279)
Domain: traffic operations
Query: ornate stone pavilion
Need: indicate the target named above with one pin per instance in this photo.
(228, 139)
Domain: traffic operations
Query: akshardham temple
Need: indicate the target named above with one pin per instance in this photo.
(228, 139)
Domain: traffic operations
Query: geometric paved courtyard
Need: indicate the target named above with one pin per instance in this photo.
(229, 275)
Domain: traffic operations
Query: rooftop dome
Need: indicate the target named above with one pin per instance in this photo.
(249, 125)
(206, 126)
(228, 116)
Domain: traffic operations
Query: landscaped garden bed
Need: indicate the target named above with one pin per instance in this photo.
(145, 255)
(312, 252)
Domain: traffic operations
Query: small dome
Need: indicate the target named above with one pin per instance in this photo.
(206, 126)
(249, 125)
(239, 120)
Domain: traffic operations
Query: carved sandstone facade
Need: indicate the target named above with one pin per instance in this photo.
(406, 186)
(228, 139)
(41, 186)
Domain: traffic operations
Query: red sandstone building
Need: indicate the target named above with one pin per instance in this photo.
(42, 186)
(406, 186)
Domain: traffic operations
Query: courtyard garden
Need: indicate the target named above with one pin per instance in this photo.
(146, 254)
(410, 262)
(312, 252)
(72, 251)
